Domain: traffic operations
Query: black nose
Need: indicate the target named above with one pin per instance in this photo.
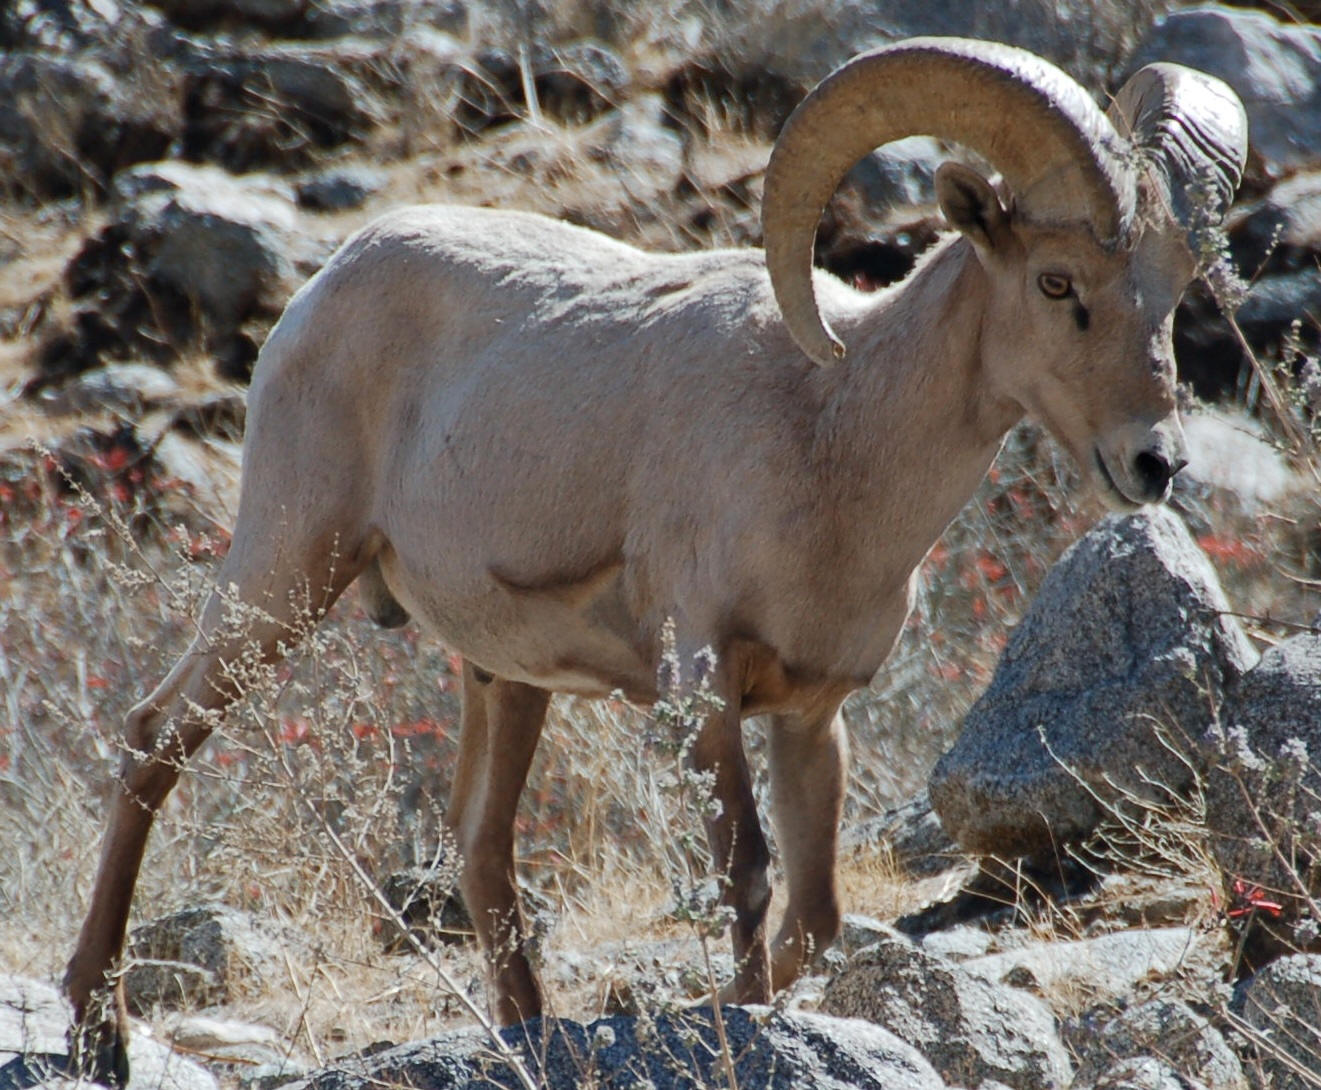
(1154, 470)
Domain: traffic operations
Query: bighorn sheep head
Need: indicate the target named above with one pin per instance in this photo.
(1102, 223)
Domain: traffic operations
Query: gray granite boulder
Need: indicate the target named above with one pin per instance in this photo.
(1281, 1006)
(1127, 646)
(1139, 1073)
(775, 1051)
(1263, 793)
(971, 1030)
(1182, 1040)
(1105, 968)
(803, 42)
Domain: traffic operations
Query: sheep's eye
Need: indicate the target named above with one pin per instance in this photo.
(1054, 286)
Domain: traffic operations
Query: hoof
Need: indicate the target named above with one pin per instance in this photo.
(99, 1054)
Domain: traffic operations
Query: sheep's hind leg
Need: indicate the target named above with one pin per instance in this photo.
(160, 734)
(502, 722)
(738, 846)
(808, 764)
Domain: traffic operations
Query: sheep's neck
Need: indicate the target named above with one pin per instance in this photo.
(916, 424)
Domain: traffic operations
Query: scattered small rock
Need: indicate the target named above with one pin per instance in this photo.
(969, 1029)
(340, 189)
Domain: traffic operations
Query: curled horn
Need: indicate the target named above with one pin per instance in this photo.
(1053, 146)
(1193, 134)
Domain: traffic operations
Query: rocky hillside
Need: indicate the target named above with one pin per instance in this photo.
(1111, 876)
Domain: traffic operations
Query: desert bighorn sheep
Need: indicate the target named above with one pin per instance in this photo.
(544, 443)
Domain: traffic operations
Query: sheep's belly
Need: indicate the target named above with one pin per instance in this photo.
(576, 637)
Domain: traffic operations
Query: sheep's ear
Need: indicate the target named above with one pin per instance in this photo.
(971, 205)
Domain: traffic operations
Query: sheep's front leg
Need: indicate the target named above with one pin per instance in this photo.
(808, 763)
(738, 846)
(502, 722)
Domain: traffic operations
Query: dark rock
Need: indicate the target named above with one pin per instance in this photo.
(855, 243)
(1262, 796)
(55, 26)
(427, 901)
(1128, 634)
(197, 957)
(69, 124)
(1275, 245)
(172, 985)
(129, 388)
(1274, 67)
(340, 189)
(223, 244)
(279, 105)
(1282, 1008)
(574, 83)
(721, 89)
(1272, 307)
(1164, 1028)
(318, 19)
(912, 833)
(970, 1030)
(1281, 232)
(191, 256)
(665, 1052)
(213, 15)
(901, 173)
(388, 19)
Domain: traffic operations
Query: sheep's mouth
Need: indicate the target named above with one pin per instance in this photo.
(1113, 495)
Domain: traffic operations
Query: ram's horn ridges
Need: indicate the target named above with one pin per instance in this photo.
(1192, 129)
(1052, 144)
